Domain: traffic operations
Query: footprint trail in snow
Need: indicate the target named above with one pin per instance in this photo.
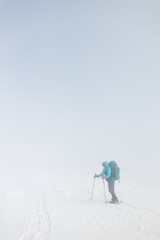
(40, 224)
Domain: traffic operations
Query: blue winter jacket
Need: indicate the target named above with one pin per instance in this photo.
(106, 171)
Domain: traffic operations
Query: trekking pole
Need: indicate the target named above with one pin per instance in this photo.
(104, 192)
(93, 189)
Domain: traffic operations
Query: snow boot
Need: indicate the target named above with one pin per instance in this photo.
(114, 198)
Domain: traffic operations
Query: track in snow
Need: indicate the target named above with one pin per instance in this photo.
(40, 224)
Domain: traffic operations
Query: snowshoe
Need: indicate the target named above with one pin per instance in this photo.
(114, 202)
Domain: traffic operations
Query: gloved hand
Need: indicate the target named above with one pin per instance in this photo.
(95, 175)
(104, 177)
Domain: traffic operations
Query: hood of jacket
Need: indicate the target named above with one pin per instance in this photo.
(106, 164)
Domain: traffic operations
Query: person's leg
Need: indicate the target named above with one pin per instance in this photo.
(111, 190)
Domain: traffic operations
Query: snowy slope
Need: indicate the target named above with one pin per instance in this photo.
(60, 208)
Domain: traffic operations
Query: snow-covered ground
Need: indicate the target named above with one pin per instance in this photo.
(59, 208)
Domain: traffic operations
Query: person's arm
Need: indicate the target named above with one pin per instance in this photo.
(106, 173)
(102, 173)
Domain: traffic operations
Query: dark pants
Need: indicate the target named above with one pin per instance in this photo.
(111, 190)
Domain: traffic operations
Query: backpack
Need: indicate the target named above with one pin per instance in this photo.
(115, 170)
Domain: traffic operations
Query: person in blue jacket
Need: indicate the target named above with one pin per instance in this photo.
(107, 175)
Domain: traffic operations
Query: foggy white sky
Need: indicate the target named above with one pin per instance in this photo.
(79, 84)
